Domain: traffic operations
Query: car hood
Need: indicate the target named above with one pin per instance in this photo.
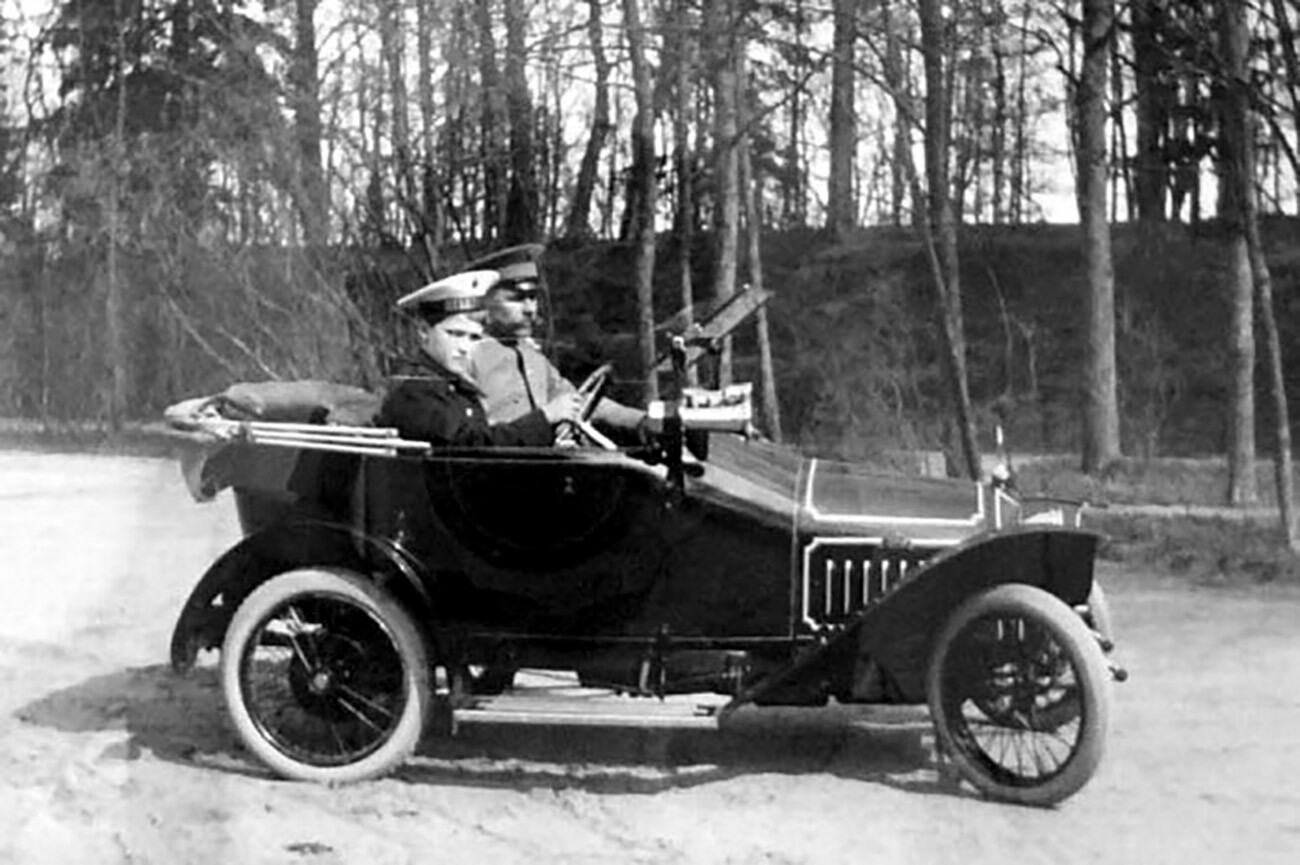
(829, 497)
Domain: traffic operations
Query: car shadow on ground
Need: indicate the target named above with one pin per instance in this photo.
(179, 719)
(650, 760)
(182, 719)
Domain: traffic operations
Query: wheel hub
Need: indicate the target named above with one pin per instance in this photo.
(320, 683)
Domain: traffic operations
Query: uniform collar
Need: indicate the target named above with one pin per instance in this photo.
(426, 367)
(514, 342)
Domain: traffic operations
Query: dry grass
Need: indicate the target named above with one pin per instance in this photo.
(135, 439)
(1173, 481)
(1195, 534)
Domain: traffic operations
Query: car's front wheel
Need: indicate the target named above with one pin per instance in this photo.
(326, 677)
(1019, 694)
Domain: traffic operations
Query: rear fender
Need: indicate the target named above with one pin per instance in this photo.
(284, 547)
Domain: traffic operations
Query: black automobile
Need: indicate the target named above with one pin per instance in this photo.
(381, 583)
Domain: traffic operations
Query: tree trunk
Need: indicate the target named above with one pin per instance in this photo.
(943, 227)
(432, 219)
(579, 222)
(1100, 396)
(901, 185)
(313, 196)
(392, 41)
(1236, 183)
(794, 194)
(684, 217)
(521, 202)
(1152, 111)
(459, 167)
(643, 182)
(841, 204)
(1291, 65)
(1282, 462)
(1118, 142)
(494, 189)
(115, 303)
(770, 405)
(376, 202)
(1020, 152)
(721, 29)
(998, 157)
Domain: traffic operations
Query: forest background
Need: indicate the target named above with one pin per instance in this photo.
(196, 192)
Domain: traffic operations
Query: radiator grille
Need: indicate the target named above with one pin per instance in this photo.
(842, 578)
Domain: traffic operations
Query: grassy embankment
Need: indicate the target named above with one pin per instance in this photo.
(1167, 514)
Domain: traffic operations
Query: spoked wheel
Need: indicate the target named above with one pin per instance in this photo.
(1020, 695)
(325, 677)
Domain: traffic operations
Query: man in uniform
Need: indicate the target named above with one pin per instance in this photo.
(433, 399)
(511, 370)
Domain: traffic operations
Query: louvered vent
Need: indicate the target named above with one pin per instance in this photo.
(842, 578)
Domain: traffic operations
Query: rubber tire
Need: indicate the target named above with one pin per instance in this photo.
(1080, 645)
(407, 642)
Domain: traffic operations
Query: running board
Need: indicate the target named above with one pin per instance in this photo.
(588, 712)
(680, 712)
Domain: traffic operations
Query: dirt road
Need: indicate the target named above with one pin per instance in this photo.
(108, 758)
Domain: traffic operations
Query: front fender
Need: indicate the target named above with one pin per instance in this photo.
(284, 547)
(899, 632)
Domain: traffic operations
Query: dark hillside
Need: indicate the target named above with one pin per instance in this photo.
(853, 331)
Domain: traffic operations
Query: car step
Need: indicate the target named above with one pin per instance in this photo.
(583, 710)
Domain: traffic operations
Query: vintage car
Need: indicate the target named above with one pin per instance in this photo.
(381, 583)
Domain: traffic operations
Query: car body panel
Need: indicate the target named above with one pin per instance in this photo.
(759, 544)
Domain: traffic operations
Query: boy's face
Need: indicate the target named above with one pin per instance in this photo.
(451, 342)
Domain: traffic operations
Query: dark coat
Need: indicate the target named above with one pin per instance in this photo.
(427, 402)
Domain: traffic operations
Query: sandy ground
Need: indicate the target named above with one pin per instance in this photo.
(109, 758)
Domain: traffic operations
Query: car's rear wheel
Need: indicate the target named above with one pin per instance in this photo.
(1020, 695)
(326, 677)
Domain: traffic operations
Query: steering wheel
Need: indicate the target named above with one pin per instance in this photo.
(592, 388)
(590, 391)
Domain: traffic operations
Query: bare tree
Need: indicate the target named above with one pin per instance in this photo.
(1001, 120)
(1236, 181)
(943, 224)
(1282, 462)
(720, 25)
(492, 123)
(685, 57)
(392, 47)
(841, 215)
(579, 224)
(771, 406)
(1101, 443)
(901, 184)
(1291, 69)
(521, 201)
(794, 194)
(313, 196)
(643, 179)
(432, 220)
(1152, 109)
(115, 301)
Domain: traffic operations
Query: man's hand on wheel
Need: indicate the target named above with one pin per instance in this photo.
(565, 407)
